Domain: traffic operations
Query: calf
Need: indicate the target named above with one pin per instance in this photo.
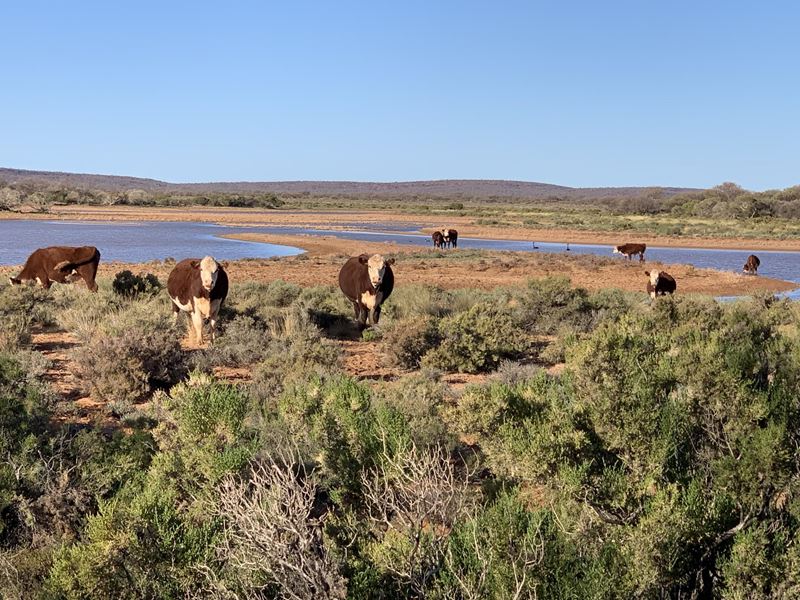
(450, 237)
(438, 239)
(62, 264)
(630, 250)
(198, 287)
(660, 283)
(752, 264)
(367, 281)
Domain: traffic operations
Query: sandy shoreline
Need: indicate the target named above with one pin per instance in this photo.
(426, 223)
(323, 255)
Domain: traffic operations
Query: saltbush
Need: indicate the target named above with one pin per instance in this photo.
(129, 356)
(407, 341)
(476, 340)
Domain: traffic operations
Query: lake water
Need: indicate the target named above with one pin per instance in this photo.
(149, 240)
(131, 241)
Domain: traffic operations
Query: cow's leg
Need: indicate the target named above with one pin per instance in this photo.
(212, 318)
(362, 314)
(376, 315)
(197, 325)
(641, 257)
(88, 273)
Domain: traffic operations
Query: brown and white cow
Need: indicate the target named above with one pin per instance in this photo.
(438, 239)
(62, 264)
(752, 264)
(631, 250)
(450, 238)
(367, 281)
(660, 283)
(199, 287)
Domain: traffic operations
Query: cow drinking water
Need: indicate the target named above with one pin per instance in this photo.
(199, 287)
(660, 283)
(752, 264)
(367, 281)
(631, 250)
(62, 264)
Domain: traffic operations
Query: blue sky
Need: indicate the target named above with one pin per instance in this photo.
(572, 93)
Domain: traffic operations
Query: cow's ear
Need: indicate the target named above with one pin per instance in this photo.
(363, 259)
(647, 273)
(195, 264)
(390, 261)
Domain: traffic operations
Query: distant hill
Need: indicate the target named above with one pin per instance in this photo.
(447, 188)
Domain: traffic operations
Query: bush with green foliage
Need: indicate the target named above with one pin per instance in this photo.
(476, 340)
(129, 285)
(128, 355)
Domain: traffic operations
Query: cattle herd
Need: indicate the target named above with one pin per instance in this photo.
(200, 286)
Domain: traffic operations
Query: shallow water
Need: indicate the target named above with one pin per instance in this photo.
(131, 241)
(141, 241)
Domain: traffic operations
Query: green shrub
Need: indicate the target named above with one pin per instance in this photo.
(128, 358)
(407, 341)
(133, 286)
(240, 342)
(476, 340)
(336, 420)
(418, 398)
(22, 307)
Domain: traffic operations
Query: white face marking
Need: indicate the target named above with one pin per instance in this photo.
(616, 250)
(654, 277)
(377, 269)
(209, 269)
(371, 300)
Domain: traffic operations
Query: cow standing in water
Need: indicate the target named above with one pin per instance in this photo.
(62, 264)
(450, 238)
(631, 250)
(660, 283)
(438, 239)
(199, 287)
(752, 264)
(367, 281)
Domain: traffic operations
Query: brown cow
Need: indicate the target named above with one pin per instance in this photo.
(62, 264)
(198, 287)
(630, 250)
(367, 281)
(752, 264)
(438, 239)
(450, 238)
(660, 283)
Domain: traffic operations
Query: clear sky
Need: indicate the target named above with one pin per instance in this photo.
(573, 93)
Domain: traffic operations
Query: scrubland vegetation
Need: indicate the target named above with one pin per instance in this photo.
(659, 460)
(726, 210)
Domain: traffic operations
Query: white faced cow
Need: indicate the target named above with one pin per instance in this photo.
(367, 282)
(450, 237)
(198, 287)
(660, 283)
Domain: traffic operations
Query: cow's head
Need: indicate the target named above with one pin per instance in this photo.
(616, 250)
(653, 275)
(376, 265)
(209, 269)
